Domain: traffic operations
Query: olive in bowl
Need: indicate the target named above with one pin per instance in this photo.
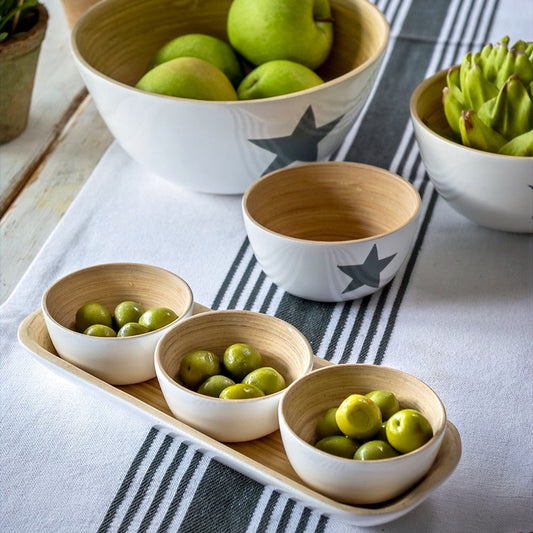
(116, 360)
(281, 346)
(345, 479)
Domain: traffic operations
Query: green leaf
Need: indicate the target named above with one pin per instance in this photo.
(519, 146)
(476, 134)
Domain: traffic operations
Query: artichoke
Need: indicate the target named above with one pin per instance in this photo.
(488, 98)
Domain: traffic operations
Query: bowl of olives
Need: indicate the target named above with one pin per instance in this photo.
(107, 319)
(224, 372)
(361, 434)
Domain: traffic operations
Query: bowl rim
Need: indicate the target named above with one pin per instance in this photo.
(417, 94)
(211, 399)
(378, 18)
(362, 166)
(131, 338)
(437, 435)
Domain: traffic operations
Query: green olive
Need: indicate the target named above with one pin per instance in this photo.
(382, 433)
(100, 330)
(339, 445)
(358, 417)
(327, 425)
(127, 311)
(386, 401)
(93, 313)
(157, 317)
(130, 329)
(197, 366)
(266, 378)
(407, 430)
(374, 450)
(241, 391)
(240, 359)
(214, 385)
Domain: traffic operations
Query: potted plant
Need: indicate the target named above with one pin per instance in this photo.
(23, 26)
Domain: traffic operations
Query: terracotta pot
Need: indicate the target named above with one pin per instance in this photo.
(74, 9)
(18, 64)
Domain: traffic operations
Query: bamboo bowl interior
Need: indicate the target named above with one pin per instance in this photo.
(303, 405)
(281, 345)
(331, 202)
(110, 284)
(118, 38)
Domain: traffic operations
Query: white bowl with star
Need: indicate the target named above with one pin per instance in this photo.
(331, 231)
(220, 147)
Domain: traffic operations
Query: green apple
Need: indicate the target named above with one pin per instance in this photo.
(275, 78)
(358, 417)
(206, 47)
(298, 30)
(407, 430)
(188, 77)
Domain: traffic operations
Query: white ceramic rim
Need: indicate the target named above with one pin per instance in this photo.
(436, 435)
(131, 338)
(330, 243)
(363, 66)
(211, 399)
(415, 97)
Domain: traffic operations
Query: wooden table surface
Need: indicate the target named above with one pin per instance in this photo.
(42, 170)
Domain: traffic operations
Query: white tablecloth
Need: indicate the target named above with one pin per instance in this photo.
(458, 316)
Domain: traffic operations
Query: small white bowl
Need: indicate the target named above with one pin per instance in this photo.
(281, 345)
(348, 480)
(116, 360)
(211, 146)
(493, 190)
(331, 231)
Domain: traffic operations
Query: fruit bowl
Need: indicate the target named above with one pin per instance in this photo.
(352, 481)
(212, 146)
(281, 345)
(118, 361)
(493, 190)
(331, 231)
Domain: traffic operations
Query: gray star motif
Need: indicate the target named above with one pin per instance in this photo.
(368, 272)
(300, 145)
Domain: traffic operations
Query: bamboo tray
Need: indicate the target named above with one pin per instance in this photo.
(263, 459)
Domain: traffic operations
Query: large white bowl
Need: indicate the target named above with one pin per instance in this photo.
(281, 345)
(220, 147)
(117, 360)
(495, 191)
(331, 231)
(348, 480)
